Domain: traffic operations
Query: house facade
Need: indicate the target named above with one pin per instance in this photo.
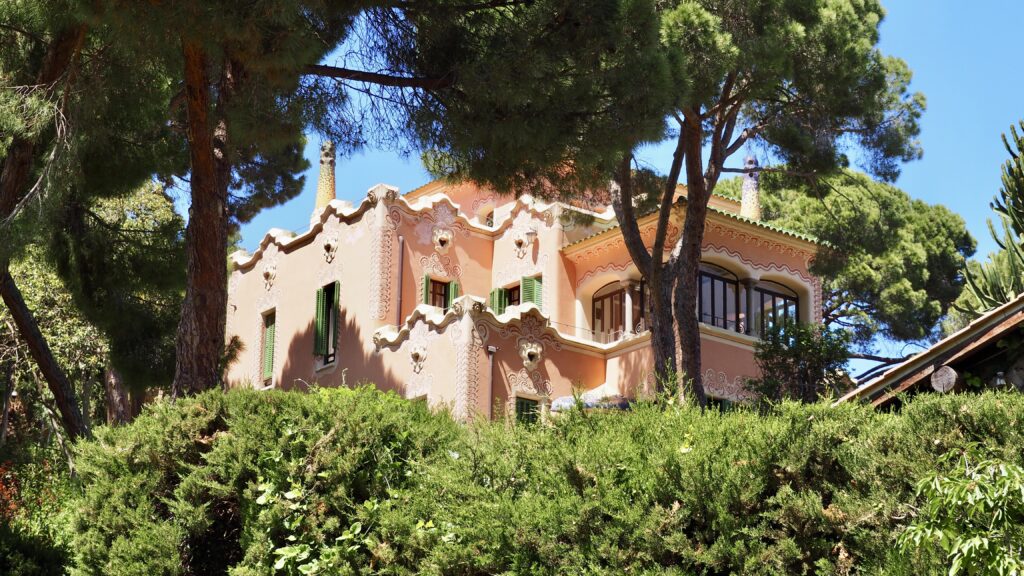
(492, 305)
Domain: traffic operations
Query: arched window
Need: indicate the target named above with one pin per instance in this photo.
(774, 304)
(609, 310)
(719, 298)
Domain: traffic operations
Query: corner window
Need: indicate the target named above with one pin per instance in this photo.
(719, 298)
(269, 329)
(608, 311)
(325, 342)
(527, 410)
(774, 304)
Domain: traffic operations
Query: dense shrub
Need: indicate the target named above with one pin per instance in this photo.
(35, 489)
(356, 482)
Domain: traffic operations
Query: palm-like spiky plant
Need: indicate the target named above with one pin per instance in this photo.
(1001, 279)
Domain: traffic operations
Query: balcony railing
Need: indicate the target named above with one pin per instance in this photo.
(602, 336)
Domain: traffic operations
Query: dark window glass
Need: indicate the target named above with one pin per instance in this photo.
(331, 321)
(438, 294)
(527, 410)
(774, 308)
(513, 296)
(719, 298)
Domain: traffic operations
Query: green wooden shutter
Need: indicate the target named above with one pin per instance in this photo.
(530, 290)
(426, 289)
(269, 323)
(333, 316)
(453, 293)
(499, 300)
(320, 328)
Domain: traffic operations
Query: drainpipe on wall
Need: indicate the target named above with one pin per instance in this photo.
(490, 374)
(401, 274)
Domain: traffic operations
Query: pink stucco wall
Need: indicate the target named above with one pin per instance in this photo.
(468, 360)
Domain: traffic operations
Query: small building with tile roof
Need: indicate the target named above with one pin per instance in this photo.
(494, 305)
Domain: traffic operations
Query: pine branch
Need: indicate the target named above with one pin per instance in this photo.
(381, 79)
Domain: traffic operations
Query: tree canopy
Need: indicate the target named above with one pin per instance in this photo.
(803, 81)
(890, 264)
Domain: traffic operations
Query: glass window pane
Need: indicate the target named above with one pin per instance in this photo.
(731, 320)
(706, 311)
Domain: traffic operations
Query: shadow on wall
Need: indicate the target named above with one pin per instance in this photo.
(636, 373)
(355, 364)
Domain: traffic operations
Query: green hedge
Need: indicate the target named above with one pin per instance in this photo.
(358, 482)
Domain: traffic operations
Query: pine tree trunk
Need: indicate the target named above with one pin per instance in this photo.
(651, 264)
(63, 392)
(119, 408)
(200, 336)
(688, 267)
(663, 337)
(17, 166)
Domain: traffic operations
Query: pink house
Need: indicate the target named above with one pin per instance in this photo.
(492, 305)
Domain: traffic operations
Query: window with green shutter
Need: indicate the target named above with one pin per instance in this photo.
(269, 323)
(325, 341)
(527, 410)
(499, 300)
(532, 291)
(453, 293)
(440, 294)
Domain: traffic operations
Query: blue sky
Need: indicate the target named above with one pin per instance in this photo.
(963, 59)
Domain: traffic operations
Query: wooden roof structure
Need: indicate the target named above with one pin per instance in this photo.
(956, 349)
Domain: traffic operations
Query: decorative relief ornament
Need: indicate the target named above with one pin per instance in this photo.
(418, 355)
(441, 266)
(269, 274)
(526, 382)
(330, 247)
(530, 352)
(442, 239)
(523, 240)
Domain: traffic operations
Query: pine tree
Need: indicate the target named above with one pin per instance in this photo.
(801, 80)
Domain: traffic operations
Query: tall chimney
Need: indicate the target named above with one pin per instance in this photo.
(325, 185)
(750, 204)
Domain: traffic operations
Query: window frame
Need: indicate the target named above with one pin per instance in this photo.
(723, 281)
(268, 341)
(329, 308)
(443, 293)
(521, 417)
(759, 303)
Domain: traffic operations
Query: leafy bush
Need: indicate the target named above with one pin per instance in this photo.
(803, 362)
(35, 489)
(974, 512)
(357, 482)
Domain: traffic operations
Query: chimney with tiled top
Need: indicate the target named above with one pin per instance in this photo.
(325, 185)
(750, 203)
